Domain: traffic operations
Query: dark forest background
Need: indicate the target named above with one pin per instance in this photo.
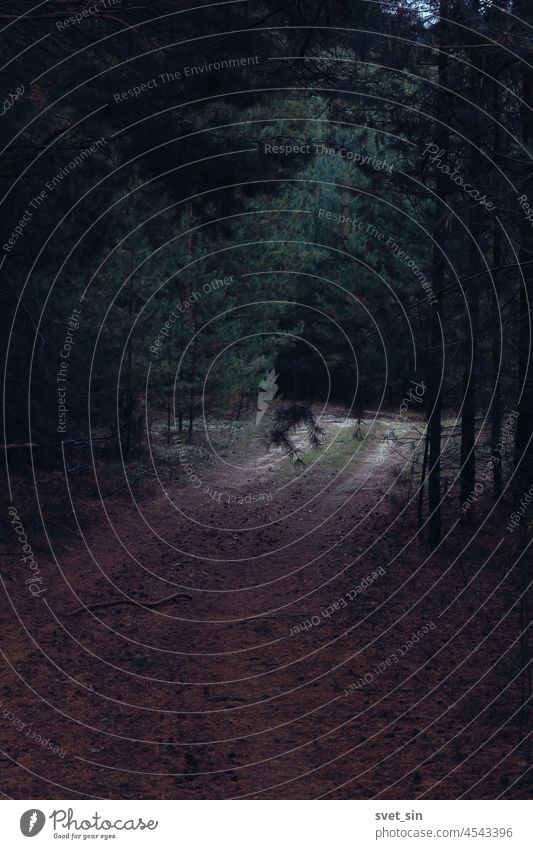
(180, 192)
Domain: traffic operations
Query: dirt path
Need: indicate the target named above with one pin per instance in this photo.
(285, 674)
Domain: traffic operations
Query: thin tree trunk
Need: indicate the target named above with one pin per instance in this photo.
(129, 393)
(169, 376)
(472, 293)
(496, 352)
(524, 428)
(239, 408)
(423, 480)
(180, 399)
(435, 370)
(191, 394)
(470, 375)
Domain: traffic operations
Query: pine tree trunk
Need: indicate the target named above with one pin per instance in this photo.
(524, 429)
(191, 394)
(129, 407)
(470, 375)
(496, 352)
(477, 168)
(435, 370)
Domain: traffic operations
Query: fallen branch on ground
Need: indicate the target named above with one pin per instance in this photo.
(99, 605)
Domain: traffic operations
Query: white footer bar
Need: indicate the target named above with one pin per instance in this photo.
(254, 824)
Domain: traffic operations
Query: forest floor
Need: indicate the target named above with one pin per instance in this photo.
(222, 692)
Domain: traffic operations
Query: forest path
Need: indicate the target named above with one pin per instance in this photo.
(255, 668)
(271, 675)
